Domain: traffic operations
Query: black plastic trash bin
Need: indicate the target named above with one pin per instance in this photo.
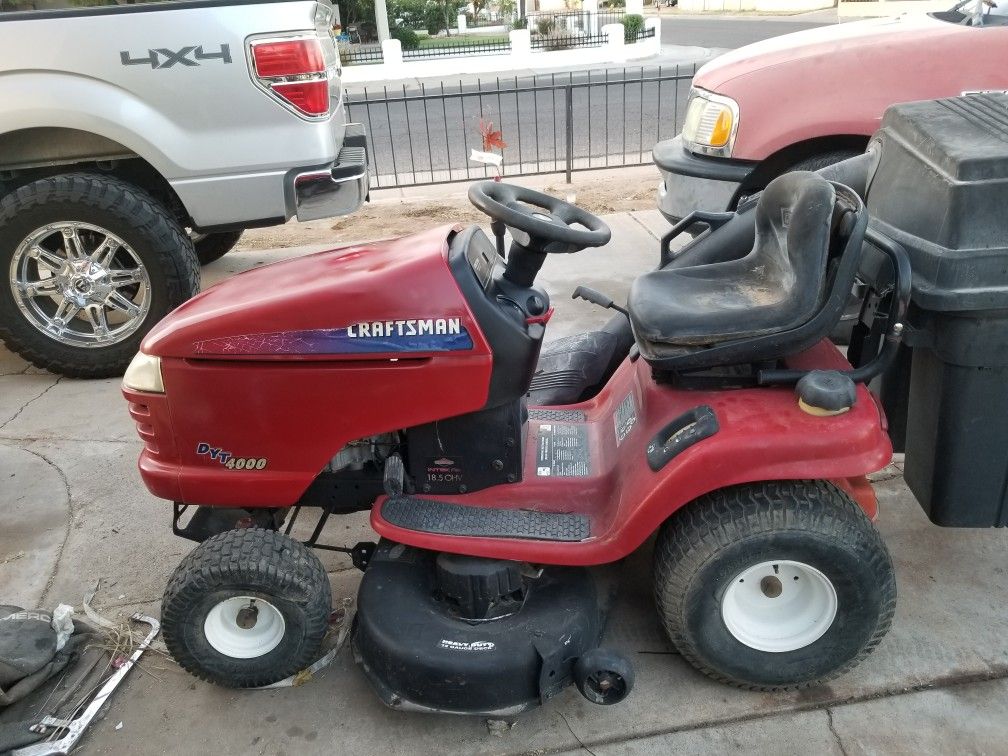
(941, 189)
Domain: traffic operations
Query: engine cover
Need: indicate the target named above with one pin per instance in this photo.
(420, 656)
(468, 452)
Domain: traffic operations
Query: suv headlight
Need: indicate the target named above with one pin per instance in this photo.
(144, 374)
(711, 123)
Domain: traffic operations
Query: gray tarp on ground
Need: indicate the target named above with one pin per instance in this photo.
(28, 658)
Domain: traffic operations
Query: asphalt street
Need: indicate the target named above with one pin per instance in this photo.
(729, 33)
(423, 132)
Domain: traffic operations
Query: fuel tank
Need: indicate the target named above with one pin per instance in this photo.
(285, 364)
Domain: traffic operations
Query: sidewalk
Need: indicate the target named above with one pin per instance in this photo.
(823, 15)
(75, 513)
(496, 66)
(671, 56)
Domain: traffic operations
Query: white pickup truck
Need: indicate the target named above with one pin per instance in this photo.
(139, 140)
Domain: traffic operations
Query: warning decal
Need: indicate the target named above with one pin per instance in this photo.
(563, 451)
(624, 418)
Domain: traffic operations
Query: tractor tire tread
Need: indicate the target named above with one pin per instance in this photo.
(248, 556)
(699, 530)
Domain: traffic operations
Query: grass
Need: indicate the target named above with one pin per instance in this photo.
(458, 39)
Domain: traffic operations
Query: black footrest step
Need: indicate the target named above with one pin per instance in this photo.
(429, 516)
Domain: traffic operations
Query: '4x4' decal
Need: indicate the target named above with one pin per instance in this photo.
(165, 58)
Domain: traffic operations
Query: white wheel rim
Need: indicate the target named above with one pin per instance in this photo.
(779, 606)
(257, 638)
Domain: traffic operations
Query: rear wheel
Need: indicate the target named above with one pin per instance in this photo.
(246, 608)
(92, 263)
(212, 247)
(775, 585)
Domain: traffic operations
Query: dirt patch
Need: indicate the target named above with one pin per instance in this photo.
(389, 214)
(376, 220)
(609, 196)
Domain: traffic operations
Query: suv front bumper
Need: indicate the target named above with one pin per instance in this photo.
(696, 182)
(338, 189)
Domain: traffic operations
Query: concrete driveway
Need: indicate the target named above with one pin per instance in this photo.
(73, 514)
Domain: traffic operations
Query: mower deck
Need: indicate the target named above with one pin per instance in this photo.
(583, 499)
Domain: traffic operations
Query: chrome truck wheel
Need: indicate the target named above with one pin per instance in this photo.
(80, 284)
(92, 263)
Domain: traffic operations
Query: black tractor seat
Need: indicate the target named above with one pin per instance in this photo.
(774, 300)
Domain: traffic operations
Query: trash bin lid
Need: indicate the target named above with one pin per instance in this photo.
(941, 189)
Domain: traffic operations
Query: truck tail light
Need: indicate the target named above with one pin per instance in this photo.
(294, 71)
(311, 98)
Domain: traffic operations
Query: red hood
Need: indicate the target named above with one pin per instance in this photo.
(856, 45)
(396, 279)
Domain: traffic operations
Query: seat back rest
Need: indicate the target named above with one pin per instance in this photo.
(793, 224)
(850, 220)
(775, 286)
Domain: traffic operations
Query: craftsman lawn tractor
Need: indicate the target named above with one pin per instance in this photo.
(408, 378)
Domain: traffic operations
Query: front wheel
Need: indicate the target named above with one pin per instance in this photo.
(212, 247)
(774, 586)
(246, 608)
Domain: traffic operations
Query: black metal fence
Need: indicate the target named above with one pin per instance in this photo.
(567, 30)
(582, 21)
(456, 49)
(551, 124)
(561, 41)
(352, 55)
(568, 41)
(487, 18)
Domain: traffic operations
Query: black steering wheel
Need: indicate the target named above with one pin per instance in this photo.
(550, 223)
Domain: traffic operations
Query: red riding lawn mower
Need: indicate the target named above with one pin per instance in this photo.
(407, 378)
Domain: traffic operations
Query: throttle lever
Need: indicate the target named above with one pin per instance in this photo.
(597, 298)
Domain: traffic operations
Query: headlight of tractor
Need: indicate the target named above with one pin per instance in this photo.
(711, 123)
(144, 374)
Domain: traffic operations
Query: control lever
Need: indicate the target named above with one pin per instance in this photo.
(498, 227)
(597, 298)
(394, 477)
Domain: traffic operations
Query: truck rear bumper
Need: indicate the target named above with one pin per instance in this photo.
(338, 189)
(695, 182)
